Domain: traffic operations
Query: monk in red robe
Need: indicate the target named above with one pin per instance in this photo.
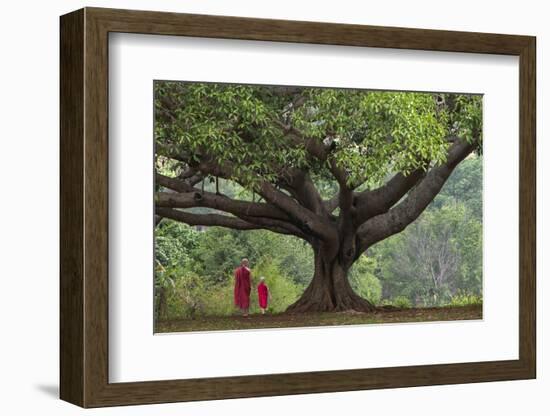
(242, 287)
(263, 295)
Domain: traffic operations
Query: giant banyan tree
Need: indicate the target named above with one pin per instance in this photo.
(341, 169)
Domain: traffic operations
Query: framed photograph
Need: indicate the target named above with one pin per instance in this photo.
(254, 207)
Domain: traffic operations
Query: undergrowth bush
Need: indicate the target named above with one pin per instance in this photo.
(465, 299)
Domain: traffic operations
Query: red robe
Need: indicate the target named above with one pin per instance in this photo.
(242, 287)
(262, 295)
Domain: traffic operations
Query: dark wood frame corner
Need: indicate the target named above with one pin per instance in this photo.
(84, 207)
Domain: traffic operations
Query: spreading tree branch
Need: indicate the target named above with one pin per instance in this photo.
(371, 203)
(305, 219)
(300, 185)
(205, 219)
(399, 217)
(374, 202)
(331, 204)
(189, 197)
(260, 214)
(218, 220)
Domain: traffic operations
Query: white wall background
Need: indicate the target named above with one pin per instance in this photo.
(29, 215)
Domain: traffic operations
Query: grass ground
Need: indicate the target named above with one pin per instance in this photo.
(284, 320)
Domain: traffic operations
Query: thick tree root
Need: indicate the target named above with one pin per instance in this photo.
(329, 289)
(327, 303)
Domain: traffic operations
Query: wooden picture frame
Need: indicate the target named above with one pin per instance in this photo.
(84, 207)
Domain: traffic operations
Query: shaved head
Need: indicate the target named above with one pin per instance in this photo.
(244, 262)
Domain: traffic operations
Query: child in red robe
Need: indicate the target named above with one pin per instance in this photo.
(263, 295)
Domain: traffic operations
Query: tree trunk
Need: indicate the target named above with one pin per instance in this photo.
(330, 290)
(162, 304)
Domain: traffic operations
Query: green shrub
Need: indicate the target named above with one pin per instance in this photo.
(191, 296)
(218, 300)
(398, 302)
(283, 290)
(363, 280)
(186, 298)
(465, 299)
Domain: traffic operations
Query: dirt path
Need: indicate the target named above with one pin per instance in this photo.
(284, 320)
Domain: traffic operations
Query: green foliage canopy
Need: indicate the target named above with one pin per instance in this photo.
(255, 129)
